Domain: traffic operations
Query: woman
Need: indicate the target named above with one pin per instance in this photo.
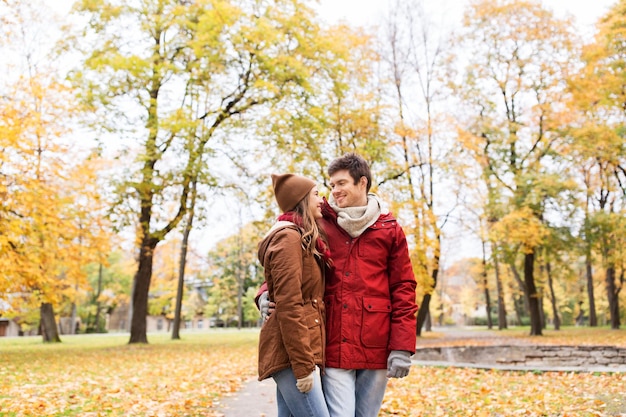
(292, 340)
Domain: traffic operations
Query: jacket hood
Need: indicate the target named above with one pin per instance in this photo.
(264, 243)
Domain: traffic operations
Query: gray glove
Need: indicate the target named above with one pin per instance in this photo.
(264, 305)
(305, 384)
(398, 364)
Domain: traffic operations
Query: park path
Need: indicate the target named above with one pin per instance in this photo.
(255, 399)
(258, 398)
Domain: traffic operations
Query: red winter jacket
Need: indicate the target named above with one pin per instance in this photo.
(369, 295)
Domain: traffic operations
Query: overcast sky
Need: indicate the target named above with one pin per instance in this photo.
(366, 12)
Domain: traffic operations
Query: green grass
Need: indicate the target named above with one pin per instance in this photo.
(105, 340)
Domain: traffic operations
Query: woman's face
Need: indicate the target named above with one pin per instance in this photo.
(315, 203)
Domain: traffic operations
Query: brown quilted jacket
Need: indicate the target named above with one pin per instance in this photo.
(295, 334)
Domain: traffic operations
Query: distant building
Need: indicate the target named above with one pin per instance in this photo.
(119, 321)
(8, 327)
(65, 325)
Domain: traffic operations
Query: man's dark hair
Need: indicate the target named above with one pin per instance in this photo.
(356, 166)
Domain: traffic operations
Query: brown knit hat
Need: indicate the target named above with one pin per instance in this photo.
(289, 189)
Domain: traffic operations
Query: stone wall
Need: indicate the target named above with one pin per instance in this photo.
(607, 358)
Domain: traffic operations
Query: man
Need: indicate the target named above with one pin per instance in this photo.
(369, 294)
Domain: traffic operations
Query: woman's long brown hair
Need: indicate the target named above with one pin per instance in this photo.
(312, 231)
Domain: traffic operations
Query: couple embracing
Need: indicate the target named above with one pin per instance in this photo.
(340, 292)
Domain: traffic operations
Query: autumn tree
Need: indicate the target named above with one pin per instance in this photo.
(341, 112)
(235, 270)
(163, 288)
(110, 285)
(175, 77)
(184, 248)
(354, 112)
(517, 55)
(51, 211)
(482, 206)
(599, 149)
(413, 49)
(557, 271)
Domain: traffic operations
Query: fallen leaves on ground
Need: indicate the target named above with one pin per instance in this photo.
(103, 376)
(437, 391)
(162, 379)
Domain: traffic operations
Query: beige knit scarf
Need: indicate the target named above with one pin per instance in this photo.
(354, 220)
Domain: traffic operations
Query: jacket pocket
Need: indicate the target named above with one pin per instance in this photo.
(376, 322)
(314, 323)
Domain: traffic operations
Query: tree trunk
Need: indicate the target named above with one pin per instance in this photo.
(129, 316)
(518, 303)
(555, 310)
(181, 285)
(428, 326)
(424, 308)
(98, 307)
(73, 319)
(612, 294)
(240, 274)
(141, 288)
(49, 329)
(521, 284)
(531, 294)
(501, 307)
(181, 268)
(486, 286)
(422, 313)
(593, 318)
(240, 300)
(542, 315)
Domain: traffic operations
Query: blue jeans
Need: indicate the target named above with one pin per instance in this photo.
(292, 403)
(354, 392)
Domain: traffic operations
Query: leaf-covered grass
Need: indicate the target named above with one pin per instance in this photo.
(437, 391)
(101, 375)
(479, 336)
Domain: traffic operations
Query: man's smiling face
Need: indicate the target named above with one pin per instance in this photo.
(345, 192)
